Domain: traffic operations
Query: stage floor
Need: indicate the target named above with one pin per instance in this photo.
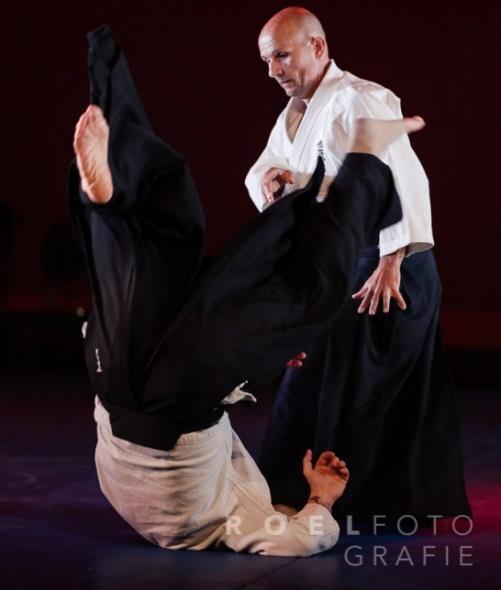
(57, 531)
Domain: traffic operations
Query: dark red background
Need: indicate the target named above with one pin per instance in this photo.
(207, 92)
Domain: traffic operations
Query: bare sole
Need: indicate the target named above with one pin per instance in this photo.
(90, 143)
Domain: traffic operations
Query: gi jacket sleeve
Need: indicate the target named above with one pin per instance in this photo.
(414, 230)
(273, 156)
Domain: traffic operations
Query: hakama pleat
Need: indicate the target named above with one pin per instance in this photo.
(376, 390)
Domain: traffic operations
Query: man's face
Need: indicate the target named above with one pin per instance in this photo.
(292, 61)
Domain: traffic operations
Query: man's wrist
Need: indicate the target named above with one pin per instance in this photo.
(395, 257)
(321, 499)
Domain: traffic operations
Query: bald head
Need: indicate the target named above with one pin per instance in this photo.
(293, 45)
(294, 20)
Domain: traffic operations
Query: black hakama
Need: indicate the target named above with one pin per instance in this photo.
(166, 340)
(376, 390)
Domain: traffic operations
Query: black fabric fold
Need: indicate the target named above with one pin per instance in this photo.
(167, 342)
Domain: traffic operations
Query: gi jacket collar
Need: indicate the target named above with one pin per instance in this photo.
(317, 103)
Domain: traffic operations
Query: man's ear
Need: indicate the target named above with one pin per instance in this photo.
(319, 46)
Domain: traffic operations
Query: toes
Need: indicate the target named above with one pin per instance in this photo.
(81, 125)
(79, 132)
(95, 112)
(91, 121)
(82, 122)
(413, 124)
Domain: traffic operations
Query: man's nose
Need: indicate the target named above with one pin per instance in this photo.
(274, 69)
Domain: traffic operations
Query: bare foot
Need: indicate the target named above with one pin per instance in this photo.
(90, 143)
(373, 136)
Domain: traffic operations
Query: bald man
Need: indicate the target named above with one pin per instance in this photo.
(373, 386)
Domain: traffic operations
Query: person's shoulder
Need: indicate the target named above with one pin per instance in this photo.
(354, 93)
(359, 89)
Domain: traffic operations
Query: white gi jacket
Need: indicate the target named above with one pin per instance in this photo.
(340, 99)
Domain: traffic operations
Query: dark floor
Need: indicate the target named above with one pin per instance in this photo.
(57, 531)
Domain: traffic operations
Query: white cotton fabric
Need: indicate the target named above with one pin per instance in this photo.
(206, 490)
(324, 129)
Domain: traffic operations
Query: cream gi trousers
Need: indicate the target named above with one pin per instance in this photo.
(206, 491)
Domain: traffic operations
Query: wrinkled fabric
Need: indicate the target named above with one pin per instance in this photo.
(206, 491)
(377, 390)
(327, 125)
(169, 338)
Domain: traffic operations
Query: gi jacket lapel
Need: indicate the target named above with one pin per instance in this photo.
(303, 142)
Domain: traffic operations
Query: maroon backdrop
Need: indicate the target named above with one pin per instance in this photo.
(207, 92)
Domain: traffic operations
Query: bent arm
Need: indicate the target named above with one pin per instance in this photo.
(273, 156)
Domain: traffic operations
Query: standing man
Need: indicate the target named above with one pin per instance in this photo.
(373, 386)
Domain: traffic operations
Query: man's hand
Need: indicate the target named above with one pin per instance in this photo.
(327, 479)
(273, 182)
(297, 361)
(382, 285)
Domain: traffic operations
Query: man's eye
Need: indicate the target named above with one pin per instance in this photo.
(282, 55)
